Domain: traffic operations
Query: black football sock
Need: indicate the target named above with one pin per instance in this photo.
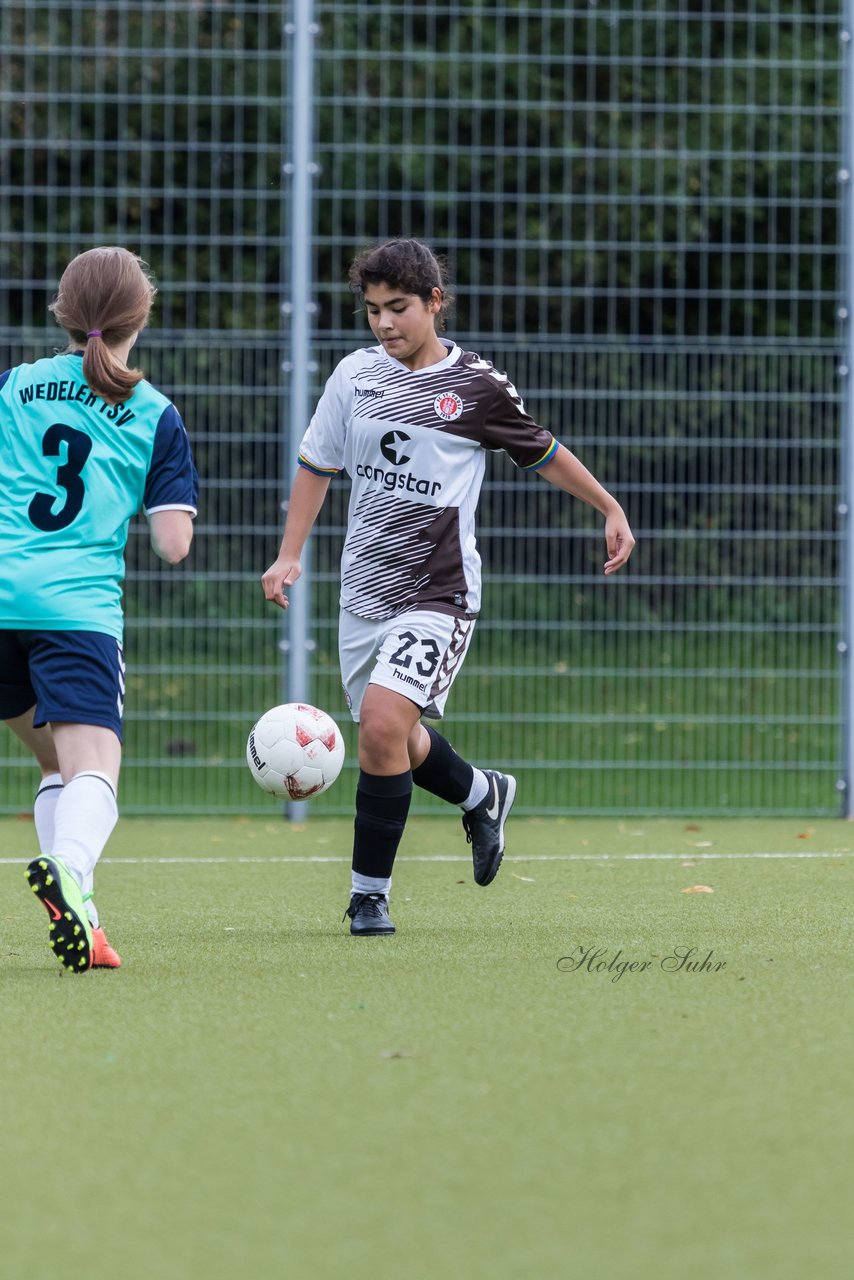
(382, 804)
(443, 772)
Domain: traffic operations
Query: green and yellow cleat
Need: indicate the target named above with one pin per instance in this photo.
(70, 934)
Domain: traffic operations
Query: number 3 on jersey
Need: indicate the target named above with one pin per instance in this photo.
(79, 446)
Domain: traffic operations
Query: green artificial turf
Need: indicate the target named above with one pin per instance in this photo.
(256, 1094)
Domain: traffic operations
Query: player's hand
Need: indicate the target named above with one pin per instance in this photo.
(283, 573)
(619, 540)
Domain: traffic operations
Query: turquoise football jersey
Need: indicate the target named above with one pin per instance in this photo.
(74, 470)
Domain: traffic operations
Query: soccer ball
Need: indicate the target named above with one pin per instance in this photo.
(295, 751)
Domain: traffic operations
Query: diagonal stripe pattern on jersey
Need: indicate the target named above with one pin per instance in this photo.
(414, 444)
(391, 546)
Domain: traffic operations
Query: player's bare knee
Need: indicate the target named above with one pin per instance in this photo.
(382, 744)
(378, 755)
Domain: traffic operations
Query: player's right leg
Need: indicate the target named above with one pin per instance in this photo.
(383, 794)
(86, 814)
(87, 808)
(384, 787)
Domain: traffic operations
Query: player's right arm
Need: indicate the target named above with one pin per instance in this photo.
(171, 533)
(321, 456)
(171, 497)
(307, 494)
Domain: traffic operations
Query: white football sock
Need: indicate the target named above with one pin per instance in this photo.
(86, 813)
(370, 884)
(479, 788)
(91, 910)
(44, 810)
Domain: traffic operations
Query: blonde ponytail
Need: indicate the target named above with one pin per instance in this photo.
(106, 375)
(104, 298)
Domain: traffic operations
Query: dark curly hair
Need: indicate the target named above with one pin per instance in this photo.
(409, 265)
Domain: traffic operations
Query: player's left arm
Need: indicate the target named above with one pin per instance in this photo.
(566, 472)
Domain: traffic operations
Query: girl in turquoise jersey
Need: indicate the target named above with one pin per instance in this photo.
(85, 442)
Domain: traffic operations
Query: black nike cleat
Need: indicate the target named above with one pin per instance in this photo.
(368, 914)
(484, 825)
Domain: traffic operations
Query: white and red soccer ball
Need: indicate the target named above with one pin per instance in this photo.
(295, 751)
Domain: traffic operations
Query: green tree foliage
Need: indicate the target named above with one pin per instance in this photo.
(157, 126)
(597, 173)
(637, 173)
(640, 173)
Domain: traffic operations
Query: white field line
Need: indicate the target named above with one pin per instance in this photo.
(301, 859)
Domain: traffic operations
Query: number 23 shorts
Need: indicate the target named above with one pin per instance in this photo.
(417, 654)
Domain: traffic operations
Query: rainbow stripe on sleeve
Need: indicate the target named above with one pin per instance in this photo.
(547, 457)
(316, 471)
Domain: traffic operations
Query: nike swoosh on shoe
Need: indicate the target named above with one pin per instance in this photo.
(492, 810)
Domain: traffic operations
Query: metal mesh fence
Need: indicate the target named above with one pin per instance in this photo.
(641, 207)
(160, 126)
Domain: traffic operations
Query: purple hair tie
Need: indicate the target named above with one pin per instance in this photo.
(94, 333)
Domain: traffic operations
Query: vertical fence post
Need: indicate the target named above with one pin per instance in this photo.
(846, 372)
(301, 168)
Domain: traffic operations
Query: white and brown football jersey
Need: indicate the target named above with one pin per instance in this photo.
(413, 443)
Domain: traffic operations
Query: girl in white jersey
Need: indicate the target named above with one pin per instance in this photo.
(84, 443)
(410, 421)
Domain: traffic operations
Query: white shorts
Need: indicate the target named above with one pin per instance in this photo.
(418, 654)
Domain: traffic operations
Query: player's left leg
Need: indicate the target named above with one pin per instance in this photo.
(433, 651)
(83, 818)
(47, 797)
(60, 893)
(78, 679)
(485, 795)
(41, 744)
(104, 956)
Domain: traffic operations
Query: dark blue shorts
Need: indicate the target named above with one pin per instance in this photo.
(72, 677)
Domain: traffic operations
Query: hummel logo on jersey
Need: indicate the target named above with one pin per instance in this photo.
(448, 405)
(388, 450)
(368, 391)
